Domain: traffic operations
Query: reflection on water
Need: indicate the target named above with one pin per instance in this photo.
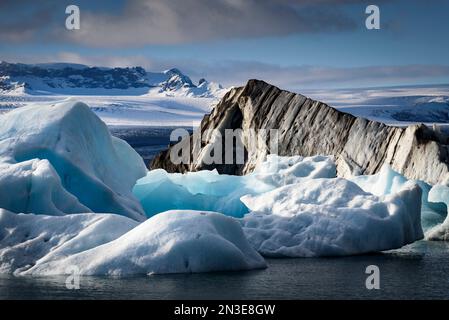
(418, 271)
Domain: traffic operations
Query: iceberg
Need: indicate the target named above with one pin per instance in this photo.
(331, 217)
(296, 207)
(160, 191)
(26, 239)
(279, 171)
(73, 195)
(170, 242)
(388, 181)
(439, 194)
(61, 159)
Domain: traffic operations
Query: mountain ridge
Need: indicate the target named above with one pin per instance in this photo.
(67, 78)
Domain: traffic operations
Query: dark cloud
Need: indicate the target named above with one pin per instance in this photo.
(141, 22)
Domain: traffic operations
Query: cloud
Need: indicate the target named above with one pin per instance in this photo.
(144, 22)
(236, 73)
(24, 20)
(298, 77)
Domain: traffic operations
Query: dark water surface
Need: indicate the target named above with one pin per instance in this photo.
(147, 141)
(419, 271)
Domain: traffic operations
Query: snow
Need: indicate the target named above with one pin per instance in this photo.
(171, 242)
(128, 110)
(280, 171)
(61, 158)
(26, 239)
(119, 96)
(77, 79)
(207, 190)
(398, 106)
(331, 217)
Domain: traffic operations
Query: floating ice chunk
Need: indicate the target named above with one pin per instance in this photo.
(331, 217)
(439, 194)
(26, 239)
(388, 181)
(207, 190)
(170, 242)
(85, 168)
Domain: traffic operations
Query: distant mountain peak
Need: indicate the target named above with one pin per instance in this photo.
(73, 79)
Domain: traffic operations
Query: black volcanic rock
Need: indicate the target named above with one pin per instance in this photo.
(307, 127)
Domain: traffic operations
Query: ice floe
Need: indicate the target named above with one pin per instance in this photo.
(331, 217)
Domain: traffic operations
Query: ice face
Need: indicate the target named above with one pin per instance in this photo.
(61, 159)
(439, 194)
(331, 217)
(207, 190)
(388, 181)
(170, 242)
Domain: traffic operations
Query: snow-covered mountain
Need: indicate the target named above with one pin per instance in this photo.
(78, 79)
(398, 106)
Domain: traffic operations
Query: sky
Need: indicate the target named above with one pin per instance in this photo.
(294, 44)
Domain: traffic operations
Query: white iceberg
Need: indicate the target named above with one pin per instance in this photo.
(28, 239)
(170, 242)
(331, 217)
(61, 158)
(160, 191)
(388, 181)
(440, 194)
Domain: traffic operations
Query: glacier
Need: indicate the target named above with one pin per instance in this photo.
(60, 158)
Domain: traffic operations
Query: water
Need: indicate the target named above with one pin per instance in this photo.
(147, 141)
(418, 271)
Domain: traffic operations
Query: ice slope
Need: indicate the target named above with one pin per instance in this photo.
(171, 242)
(399, 106)
(331, 217)
(128, 110)
(61, 158)
(28, 239)
(208, 190)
